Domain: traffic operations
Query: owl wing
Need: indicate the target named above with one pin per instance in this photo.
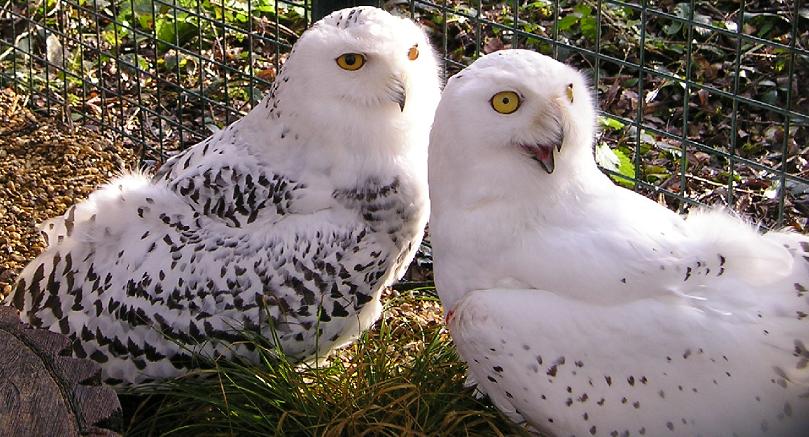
(634, 248)
(144, 269)
(140, 281)
(227, 183)
(651, 366)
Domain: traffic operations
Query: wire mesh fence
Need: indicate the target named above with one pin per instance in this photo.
(701, 102)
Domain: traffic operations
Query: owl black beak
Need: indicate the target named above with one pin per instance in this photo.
(396, 92)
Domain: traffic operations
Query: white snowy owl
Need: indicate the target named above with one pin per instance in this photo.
(586, 309)
(288, 222)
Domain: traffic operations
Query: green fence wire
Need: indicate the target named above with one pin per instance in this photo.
(702, 102)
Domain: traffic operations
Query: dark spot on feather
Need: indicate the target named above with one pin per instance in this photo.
(99, 356)
(19, 294)
(78, 350)
(339, 310)
(64, 326)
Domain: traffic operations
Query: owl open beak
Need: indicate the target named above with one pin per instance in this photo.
(396, 92)
(541, 153)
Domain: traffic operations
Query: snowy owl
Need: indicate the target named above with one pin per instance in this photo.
(289, 222)
(583, 308)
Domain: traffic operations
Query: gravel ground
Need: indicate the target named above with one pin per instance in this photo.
(44, 168)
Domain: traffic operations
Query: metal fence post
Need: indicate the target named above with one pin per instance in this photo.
(321, 8)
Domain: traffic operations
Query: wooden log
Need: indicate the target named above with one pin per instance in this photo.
(46, 392)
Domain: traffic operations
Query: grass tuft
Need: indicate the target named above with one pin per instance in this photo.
(404, 377)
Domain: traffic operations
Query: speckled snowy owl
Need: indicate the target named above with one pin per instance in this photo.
(292, 219)
(586, 309)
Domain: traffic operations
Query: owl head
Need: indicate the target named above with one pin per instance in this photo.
(364, 61)
(523, 110)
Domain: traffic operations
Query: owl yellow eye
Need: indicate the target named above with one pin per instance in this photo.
(351, 61)
(413, 53)
(505, 102)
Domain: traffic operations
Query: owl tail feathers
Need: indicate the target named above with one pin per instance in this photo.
(107, 211)
(775, 265)
(742, 251)
(797, 245)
